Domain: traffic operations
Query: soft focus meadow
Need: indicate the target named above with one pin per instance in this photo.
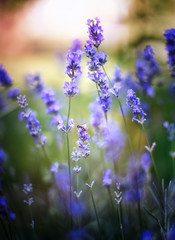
(99, 166)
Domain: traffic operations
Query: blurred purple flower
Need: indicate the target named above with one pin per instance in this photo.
(35, 82)
(169, 36)
(107, 180)
(5, 78)
(13, 93)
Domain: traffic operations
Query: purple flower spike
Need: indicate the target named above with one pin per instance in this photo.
(22, 101)
(134, 103)
(95, 32)
(73, 69)
(70, 89)
(107, 180)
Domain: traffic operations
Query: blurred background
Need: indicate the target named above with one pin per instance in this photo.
(34, 32)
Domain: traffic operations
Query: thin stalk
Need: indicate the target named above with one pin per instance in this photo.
(153, 161)
(93, 201)
(95, 209)
(112, 204)
(68, 159)
(46, 155)
(126, 126)
(139, 215)
(120, 221)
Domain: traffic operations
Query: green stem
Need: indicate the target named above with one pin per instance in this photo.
(112, 204)
(93, 201)
(68, 159)
(126, 126)
(95, 210)
(153, 161)
(120, 221)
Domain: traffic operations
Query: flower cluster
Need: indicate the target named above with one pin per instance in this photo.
(97, 60)
(146, 69)
(28, 189)
(73, 70)
(95, 32)
(36, 84)
(134, 103)
(49, 99)
(169, 36)
(32, 123)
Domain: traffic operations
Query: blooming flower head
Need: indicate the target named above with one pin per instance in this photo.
(73, 69)
(5, 78)
(95, 32)
(83, 141)
(32, 123)
(134, 103)
(22, 101)
(70, 89)
(169, 36)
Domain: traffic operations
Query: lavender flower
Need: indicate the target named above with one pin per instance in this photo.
(95, 32)
(35, 82)
(13, 93)
(146, 69)
(73, 69)
(70, 89)
(64, 128)
(29, 201)
(32, 123)
(49, 99)
(134, 103)
(118, 194)
(22, 101)
(97, 59)
(169, 36)
(170, 130)
(83, 141)
(5, 78)
(107, 180)
(54, 167)
(28, 188)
